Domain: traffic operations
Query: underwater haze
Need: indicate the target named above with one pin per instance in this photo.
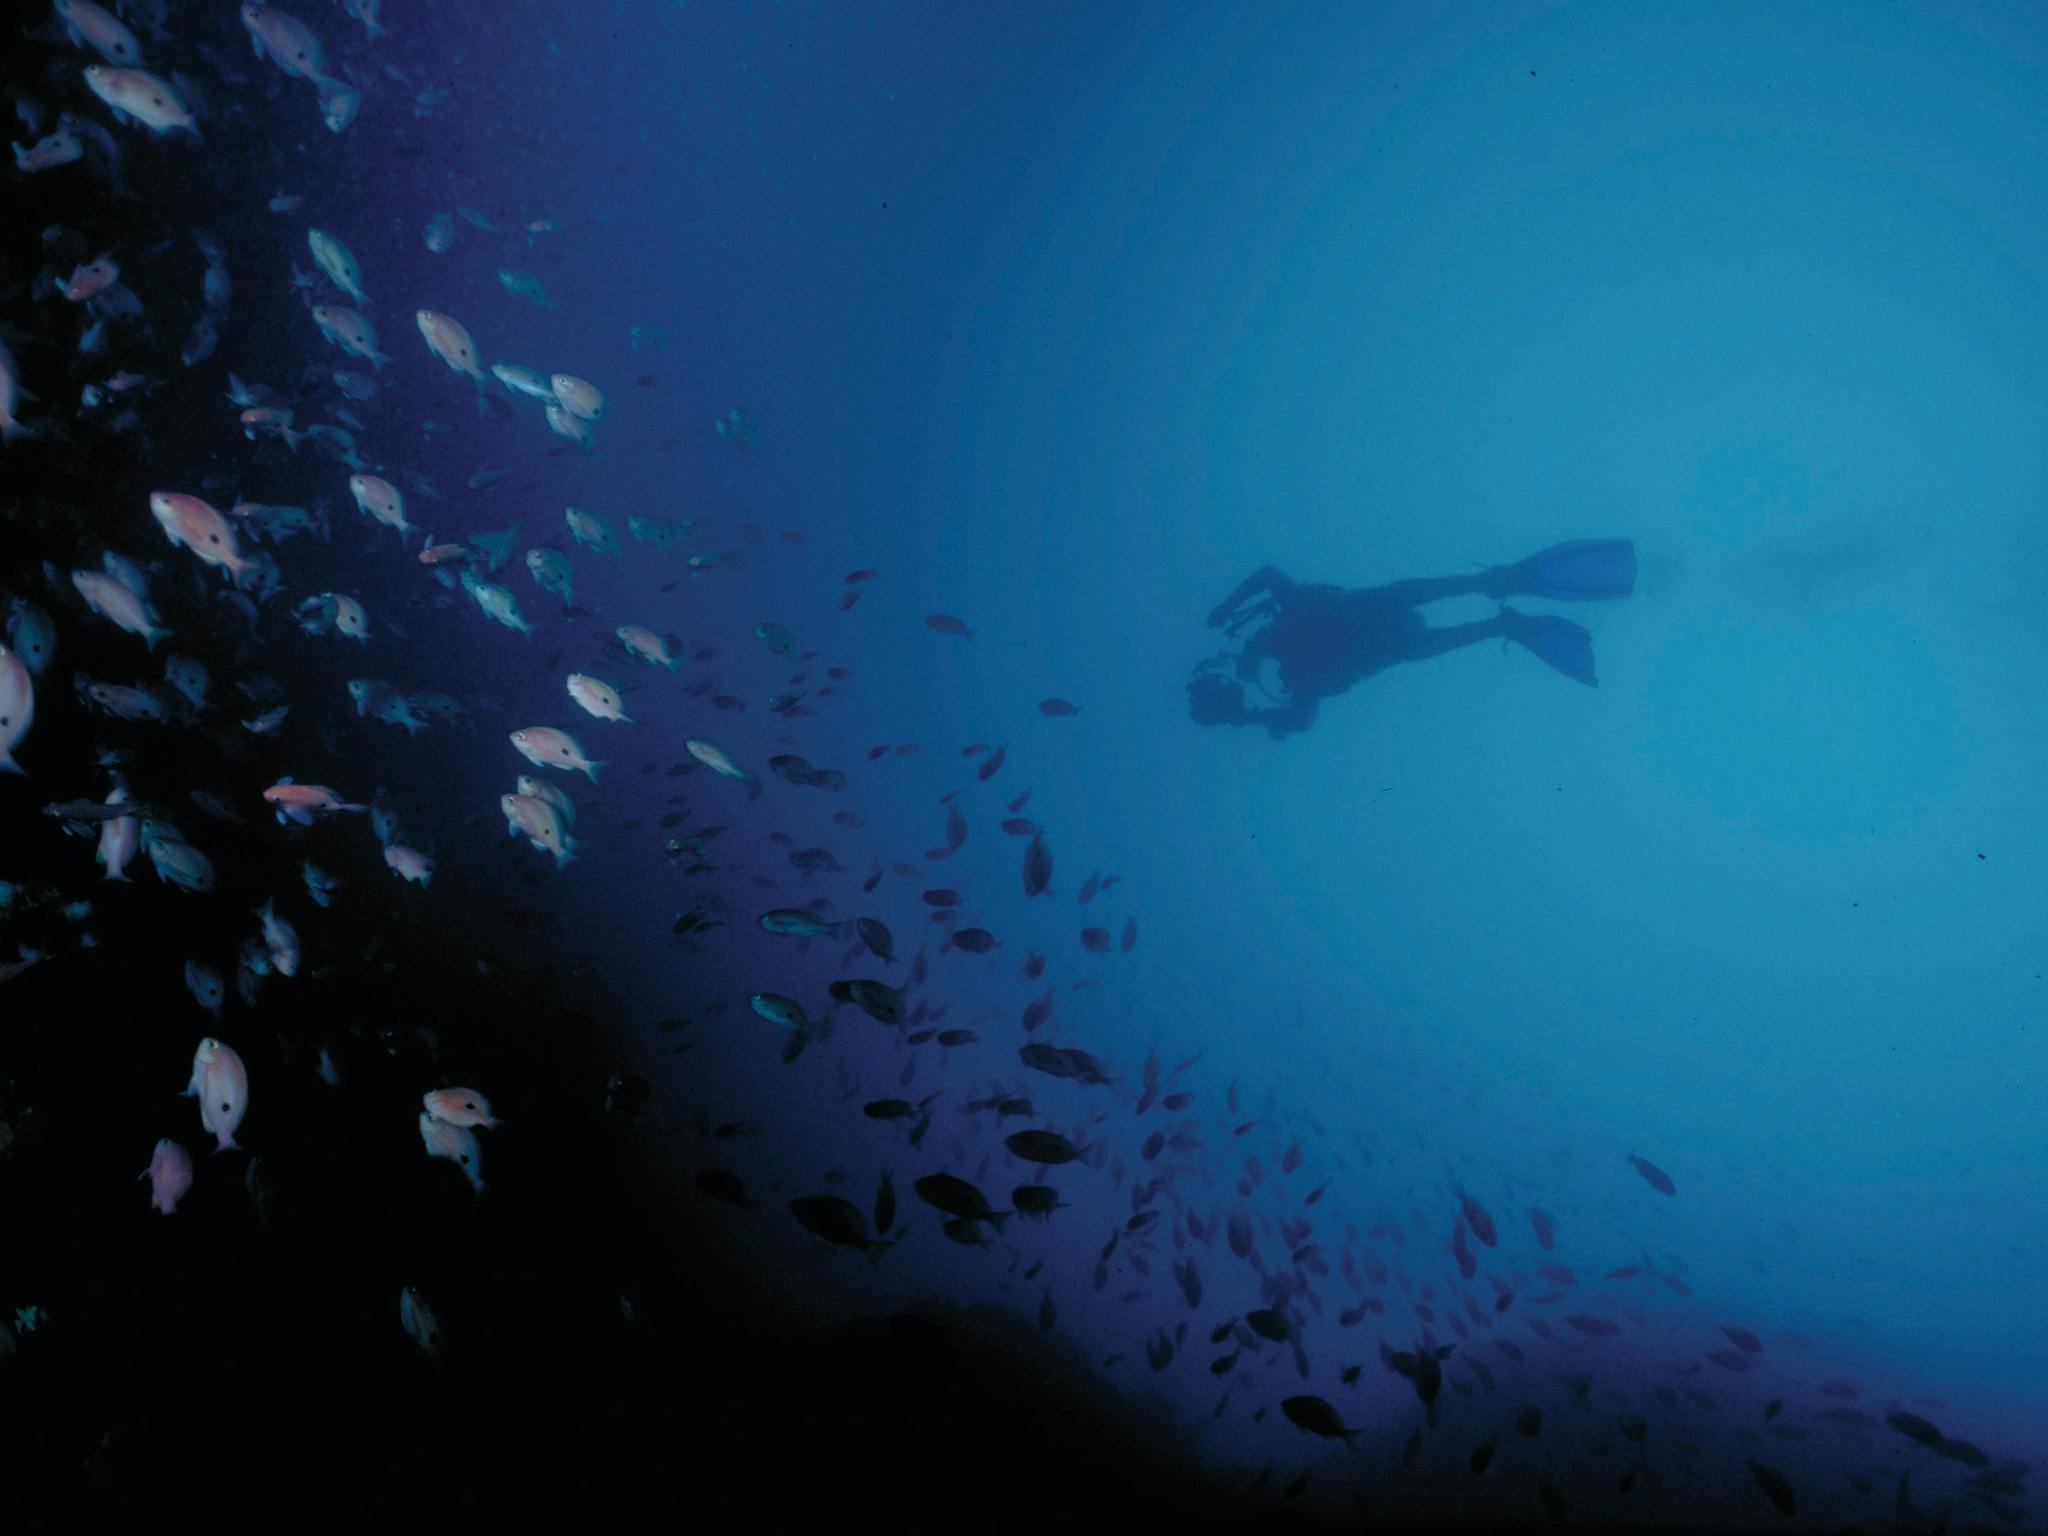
(1022, 764)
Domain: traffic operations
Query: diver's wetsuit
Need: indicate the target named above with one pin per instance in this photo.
(1307, 642)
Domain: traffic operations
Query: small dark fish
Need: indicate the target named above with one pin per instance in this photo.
(1044, 1147)
(1174, 1103)
(1546, 1230)
(1654, 1176)
(1468, 1266)
(990, 764)
(1482, 1457)
(1020, 826)
(1592, 1327)
(877, 999)
(956, 828)
(946, 624)
(1068, 1062)
(1037, 1011)
(1130, 935)
(976, 941)
(1037, 865)
(1529, 1421)
(958, 1198)
(1034, 965)
(1088, 889)
(855, 578)
(1095, 940)
(941, 896)
(1477, 1219)
(1317, 1416)
(837, 1221)
(1775, 1488)
(1058, 709)
(877, 938)
(1269, 1323)
(885, 1205)
(1913, 1427)
(1743, 1339)
(1035, 1199)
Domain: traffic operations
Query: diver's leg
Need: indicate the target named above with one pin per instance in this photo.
(1267, 578)
(1557, 642)
(1422, 644)
(1427, 589)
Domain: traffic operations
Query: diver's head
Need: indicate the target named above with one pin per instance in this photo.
(1215, 700)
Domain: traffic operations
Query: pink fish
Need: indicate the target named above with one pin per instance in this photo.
(457, 1143)
(303, 802)
(95, 276)
(221, 1084)
(460, 1106)
(169, 1174)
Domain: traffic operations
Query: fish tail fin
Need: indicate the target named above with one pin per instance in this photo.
(292, 439)
(592, 767)
(9, 765)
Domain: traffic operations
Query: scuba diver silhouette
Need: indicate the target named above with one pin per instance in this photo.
(1305, 643)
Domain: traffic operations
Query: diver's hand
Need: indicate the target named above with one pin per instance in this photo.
(1267, 579)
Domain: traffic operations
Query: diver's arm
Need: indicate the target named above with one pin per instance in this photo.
(1267, 578)
(1264, 608)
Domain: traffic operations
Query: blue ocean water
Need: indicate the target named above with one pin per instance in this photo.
(1060, 321)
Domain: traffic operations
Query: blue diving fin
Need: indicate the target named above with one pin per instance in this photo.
(1581, 570)
(1559, 643)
